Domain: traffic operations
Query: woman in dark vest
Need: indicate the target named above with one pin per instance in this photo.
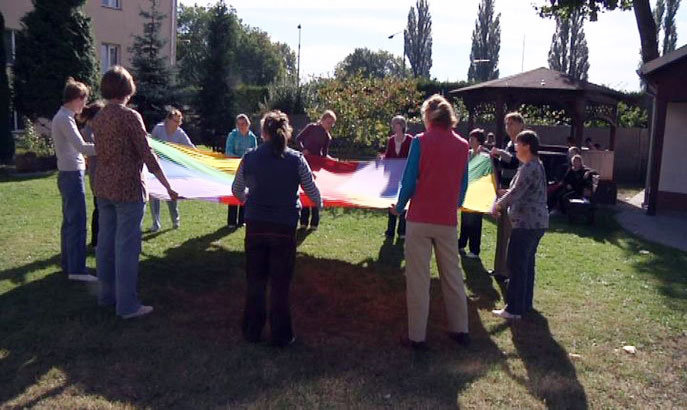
(267, 182)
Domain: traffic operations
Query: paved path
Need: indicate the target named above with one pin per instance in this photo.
(668, 229)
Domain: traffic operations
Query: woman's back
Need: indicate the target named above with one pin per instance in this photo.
(122, 149)
(272, 183)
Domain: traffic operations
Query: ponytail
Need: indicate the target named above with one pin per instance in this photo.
(276, 125)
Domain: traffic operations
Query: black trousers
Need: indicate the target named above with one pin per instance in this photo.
(270, 259)
(305, 215)
(391, 224)
(470, 231)
(235, 215)
(94, 223)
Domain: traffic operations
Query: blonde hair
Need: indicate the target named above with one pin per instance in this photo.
(328, 114)
(243, 117)
(438, 111)
(515, 116)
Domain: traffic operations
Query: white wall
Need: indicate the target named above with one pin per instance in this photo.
(674, 161)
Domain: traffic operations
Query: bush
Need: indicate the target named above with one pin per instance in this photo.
(32, 141)
(364, 108)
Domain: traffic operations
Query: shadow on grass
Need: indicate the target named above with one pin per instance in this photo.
(550, 375)
(663, 263)
(18, 275)
(189, 352)
(6, 176)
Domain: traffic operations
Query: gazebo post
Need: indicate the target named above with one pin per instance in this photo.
(471, 117)
(498, 117)
(578, 120)
(614, 127)
(611, 143)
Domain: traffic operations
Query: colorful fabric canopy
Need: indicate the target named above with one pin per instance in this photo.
(199, 174)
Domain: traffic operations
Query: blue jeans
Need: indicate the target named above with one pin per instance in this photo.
(119, 246)
(522, 250)
(155, 212)
(73, 232)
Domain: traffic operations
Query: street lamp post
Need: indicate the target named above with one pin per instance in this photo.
(298, 64)
(404, 47)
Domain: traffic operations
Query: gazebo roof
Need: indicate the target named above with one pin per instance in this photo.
(541, 80)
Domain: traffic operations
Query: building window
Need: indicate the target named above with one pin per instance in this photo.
(109, 56)
(10, 38)
(113, 4)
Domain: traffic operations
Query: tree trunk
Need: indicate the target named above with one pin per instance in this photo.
(647, 29)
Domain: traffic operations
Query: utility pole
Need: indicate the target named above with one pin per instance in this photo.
(298, 64)
(404, 47)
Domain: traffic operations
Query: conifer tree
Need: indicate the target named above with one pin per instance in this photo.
(6, 137)
(569, 52)
(486, 44)
(151, 68)
(418, 39)
(215, 99)
(55, 43)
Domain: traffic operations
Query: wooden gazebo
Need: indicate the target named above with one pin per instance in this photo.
(581, 100)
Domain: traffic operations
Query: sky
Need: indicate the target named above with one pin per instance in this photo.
(331, 29)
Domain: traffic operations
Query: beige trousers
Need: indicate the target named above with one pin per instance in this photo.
(420, 239)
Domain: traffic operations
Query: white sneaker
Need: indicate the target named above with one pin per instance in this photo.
(176, 225)
(154, 229)
(83, 278)
(142, 311)
(502, 313)
(471, 255)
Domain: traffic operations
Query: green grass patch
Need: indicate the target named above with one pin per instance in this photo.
(595, 292)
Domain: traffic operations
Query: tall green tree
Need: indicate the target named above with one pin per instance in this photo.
(664, 17)
(151, 68)
(6, 137)
(289, 58)
(569, 52)
(486, 44)
(215, 98)
(55, 43)
(368, 63)
(260, 61)
(192, 36)
(646, 25)
(418, 39)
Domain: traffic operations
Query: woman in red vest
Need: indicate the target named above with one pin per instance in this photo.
(434, 180)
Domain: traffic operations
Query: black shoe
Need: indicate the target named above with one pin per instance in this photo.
(411, 344)
(462, 339)
(499, 277)
(284, 343)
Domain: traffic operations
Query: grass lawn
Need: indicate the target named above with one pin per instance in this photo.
(598, 289)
